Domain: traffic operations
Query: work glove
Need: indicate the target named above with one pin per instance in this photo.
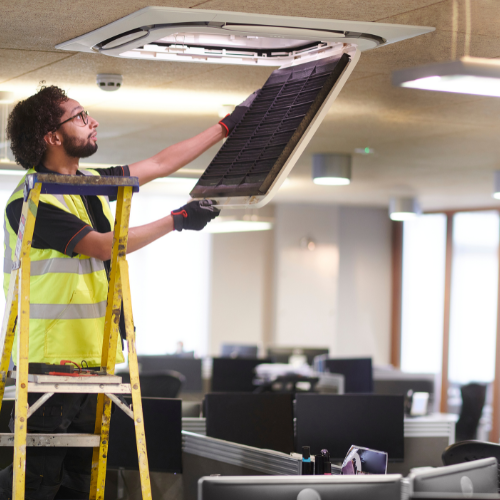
(195, 215)
(231, 120)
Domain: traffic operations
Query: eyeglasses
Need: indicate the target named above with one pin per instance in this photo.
(81, 119)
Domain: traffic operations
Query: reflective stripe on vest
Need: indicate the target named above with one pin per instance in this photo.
(68, 311)
(59, 265)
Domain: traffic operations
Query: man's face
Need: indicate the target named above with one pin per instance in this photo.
(78, 140)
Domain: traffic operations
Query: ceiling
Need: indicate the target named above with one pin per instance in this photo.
(441, 147)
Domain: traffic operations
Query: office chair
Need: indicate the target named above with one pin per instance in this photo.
(467, 451)
(160, 384)
(473, 398)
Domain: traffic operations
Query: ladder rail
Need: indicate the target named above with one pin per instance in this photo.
(23, 248)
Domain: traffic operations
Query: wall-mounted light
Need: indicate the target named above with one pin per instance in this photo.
(404, 208)
(496, 192)
(468, 75)
(331, 169)
(307, 243)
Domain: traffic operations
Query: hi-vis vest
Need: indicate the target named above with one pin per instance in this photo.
(68, 295)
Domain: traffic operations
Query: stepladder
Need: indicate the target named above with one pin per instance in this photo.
(102, 381)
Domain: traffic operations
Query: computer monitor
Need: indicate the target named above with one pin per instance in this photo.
(234, 374)
(239, 351)
(402, 386)
(358, 373)
(282, 354)
(258, 420)
(189, 367)
(383, 487)
(478, 476)
(163, 427)
(336, 422)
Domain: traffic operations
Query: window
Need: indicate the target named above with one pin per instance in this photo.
(424, 252)
(474, 289)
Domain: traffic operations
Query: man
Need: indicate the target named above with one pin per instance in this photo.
(70, 255)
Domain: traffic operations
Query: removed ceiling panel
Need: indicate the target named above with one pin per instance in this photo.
(264, 146)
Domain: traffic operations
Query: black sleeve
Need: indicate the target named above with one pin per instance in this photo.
(54, 228)
(123, 171)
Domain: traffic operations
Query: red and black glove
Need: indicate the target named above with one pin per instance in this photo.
(230, 121)
(195, 215)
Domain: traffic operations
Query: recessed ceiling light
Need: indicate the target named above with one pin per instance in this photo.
(404, 208)
(331, 169)
(468, 75)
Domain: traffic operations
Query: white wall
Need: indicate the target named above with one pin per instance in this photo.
(364, 306)
(306, 281)
(241, 289)
(337, 296)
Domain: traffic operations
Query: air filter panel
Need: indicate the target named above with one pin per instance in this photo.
(265, 145)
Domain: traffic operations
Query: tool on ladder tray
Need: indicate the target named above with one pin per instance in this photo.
(105, 383)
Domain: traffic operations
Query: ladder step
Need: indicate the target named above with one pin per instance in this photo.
(79, 184)
(80, 388)
(54, 440)
(55, 379)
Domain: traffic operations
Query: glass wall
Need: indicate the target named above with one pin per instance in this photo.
(474, 288)
(424, 254)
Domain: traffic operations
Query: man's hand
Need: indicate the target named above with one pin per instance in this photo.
(195, 215)
(230, 121)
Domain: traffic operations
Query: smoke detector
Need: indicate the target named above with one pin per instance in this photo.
(109, 82)
(210, 36)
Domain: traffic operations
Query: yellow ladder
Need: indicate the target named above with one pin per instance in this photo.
(108, 385)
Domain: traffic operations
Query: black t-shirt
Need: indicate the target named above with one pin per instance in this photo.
(59, 230)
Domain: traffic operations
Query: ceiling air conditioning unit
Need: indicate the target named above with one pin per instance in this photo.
(315, 58)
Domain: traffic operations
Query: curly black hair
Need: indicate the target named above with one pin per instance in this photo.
(31, 120)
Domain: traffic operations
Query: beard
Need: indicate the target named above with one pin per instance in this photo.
(78, 148)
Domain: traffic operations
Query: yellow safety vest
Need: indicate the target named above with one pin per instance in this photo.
(68, 294)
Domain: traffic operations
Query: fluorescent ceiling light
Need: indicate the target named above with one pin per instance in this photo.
(468, 75)
(236, 224)
(20, 173)
(331, 169)
(404, 208)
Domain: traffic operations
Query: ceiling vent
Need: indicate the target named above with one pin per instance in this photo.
(315, 56)
(210, 36)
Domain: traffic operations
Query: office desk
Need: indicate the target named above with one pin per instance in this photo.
(203, 456)
(435, 425)
(425, 440)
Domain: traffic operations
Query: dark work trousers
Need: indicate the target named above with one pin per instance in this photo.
(53, 473)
